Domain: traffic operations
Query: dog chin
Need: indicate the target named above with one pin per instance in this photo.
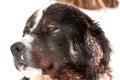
(30, 72)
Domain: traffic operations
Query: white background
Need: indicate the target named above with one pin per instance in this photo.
(13, 15)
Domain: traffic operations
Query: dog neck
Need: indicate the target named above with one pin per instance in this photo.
(70, 73)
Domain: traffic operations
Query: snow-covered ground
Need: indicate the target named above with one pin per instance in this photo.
(13, 15)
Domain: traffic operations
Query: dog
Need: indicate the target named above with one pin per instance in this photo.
(93, 4)
(63, 43)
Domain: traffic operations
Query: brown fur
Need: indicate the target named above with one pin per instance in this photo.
(92, 4)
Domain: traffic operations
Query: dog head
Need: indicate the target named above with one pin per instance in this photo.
(58, 36)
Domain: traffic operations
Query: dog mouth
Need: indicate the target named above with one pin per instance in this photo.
(26, 70)
(30, 71)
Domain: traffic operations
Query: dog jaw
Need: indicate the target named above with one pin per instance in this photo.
(30, 72)
(34, 74)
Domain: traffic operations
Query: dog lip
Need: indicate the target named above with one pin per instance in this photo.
(21, 65)
(29, 71)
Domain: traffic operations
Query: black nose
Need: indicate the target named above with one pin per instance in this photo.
(17, 48)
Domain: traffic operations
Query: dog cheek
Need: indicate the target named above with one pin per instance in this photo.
(36, 55)
(39, 58)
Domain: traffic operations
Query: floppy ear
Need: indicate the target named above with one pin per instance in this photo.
(101, 39)
(89, 47)
(86, 55)
(103, 42)
(89, 30)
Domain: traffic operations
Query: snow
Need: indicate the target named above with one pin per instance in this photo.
(13, 15)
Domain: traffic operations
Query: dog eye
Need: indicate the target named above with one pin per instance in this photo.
(50, 28)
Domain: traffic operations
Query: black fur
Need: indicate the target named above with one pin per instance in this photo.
(73, 17)
(74, 44)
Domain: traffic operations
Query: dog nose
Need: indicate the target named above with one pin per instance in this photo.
(17, 48)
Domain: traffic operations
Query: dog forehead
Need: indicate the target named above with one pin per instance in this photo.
(54, 11)
(33, 21)
(35, 18)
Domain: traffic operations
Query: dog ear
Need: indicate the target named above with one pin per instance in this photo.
(101, 39)
(86, 52)
(86, 55)
(89, 30)
(98, 33)
(90, 47)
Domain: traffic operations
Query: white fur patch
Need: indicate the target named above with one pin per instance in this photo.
(38, 16)
(27, 40)
(31, 72)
